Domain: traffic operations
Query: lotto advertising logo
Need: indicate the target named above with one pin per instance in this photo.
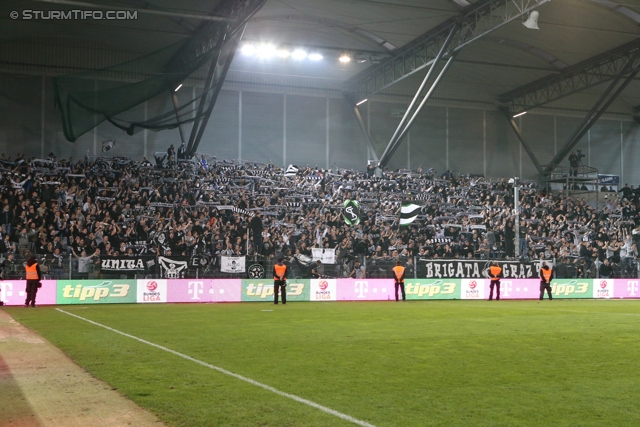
(97, 291)
(603, 288)
(323, 290)
(262, 290)
(572, 288)
(472, 288)
(152, 291)
(423, 289)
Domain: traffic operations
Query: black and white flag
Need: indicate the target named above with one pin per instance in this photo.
(108, 144)
(229, 264)
(172, 268)
(291, 171)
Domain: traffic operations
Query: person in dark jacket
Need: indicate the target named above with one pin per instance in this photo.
(495, 273)
(33, 276)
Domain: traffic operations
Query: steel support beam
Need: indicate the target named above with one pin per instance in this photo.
(393, 145)
(524, 143)
(363, 127)
(476, 21)
(584, 75)
(590, 120)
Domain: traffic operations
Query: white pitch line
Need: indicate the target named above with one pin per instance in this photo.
(232, 374)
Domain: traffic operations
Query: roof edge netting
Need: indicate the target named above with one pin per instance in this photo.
(89, 98)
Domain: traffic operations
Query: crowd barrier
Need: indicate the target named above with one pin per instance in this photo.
(60, 292)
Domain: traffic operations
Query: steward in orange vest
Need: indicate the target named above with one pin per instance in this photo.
(546, 274)
(280, 281)
(398, 275)
(33, 276)
(495, 273)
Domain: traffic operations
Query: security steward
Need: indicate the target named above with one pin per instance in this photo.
(33, 276)
(495, 273)
(546, 274)
(398, 275)
(280, 281)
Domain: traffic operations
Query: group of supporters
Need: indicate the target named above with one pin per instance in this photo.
(118, 206)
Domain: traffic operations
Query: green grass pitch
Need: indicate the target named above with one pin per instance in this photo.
(427, 363)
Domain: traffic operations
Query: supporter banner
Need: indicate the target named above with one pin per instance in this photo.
(204, 290)
(476, 269)
(96, 291)
(518, 289)
(122, 263)
(172, 268)
(322, 290)
(571, 288)
(229, 264)
(365, 289)
(604, 179)
(13, 292)
(326, 256)
(423, 289)
(473, 288)
(152, 291)
(262, 290)
(627, 288)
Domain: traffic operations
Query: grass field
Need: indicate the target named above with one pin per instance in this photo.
(437, 363)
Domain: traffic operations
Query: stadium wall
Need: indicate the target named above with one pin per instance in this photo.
(321, 130)
(63, 292)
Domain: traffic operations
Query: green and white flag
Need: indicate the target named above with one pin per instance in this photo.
(408, 213)
(351, 212)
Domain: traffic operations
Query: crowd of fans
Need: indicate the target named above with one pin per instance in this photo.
(117, 206)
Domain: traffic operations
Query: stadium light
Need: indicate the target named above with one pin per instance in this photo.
(178, 88)
(266, 51)
(316, 57)
(283, 53)
(344, 59)
(299, 54)
(362, 102)
(520, 114)
(248, 49)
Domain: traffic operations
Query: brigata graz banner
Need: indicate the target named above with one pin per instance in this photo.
(476, 269)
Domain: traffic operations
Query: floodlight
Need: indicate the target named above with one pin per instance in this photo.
(361, 102)
(178, 88)
(283, 53)
(532, 22)
(248, 49)
(344, 59)
(520, 114)
(266, 51)
(315, 57)
(299, 54)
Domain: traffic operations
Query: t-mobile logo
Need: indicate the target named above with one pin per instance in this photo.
(196, 289)
(506, 286)
(632, 287)
(361, 287)
(6, 291)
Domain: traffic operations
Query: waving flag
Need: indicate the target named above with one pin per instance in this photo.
(108, 144)
(408, 213)
(351, 212)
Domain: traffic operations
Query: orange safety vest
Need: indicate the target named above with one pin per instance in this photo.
(281, 270)
(546, 273)
(32, 272)
(494, 270)
(398, 270)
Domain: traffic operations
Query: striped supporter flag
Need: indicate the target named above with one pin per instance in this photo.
(408, 213)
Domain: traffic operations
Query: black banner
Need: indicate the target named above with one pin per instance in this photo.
(122, 263)
(477, 269)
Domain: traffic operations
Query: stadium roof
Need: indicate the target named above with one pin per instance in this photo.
(371, 32)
